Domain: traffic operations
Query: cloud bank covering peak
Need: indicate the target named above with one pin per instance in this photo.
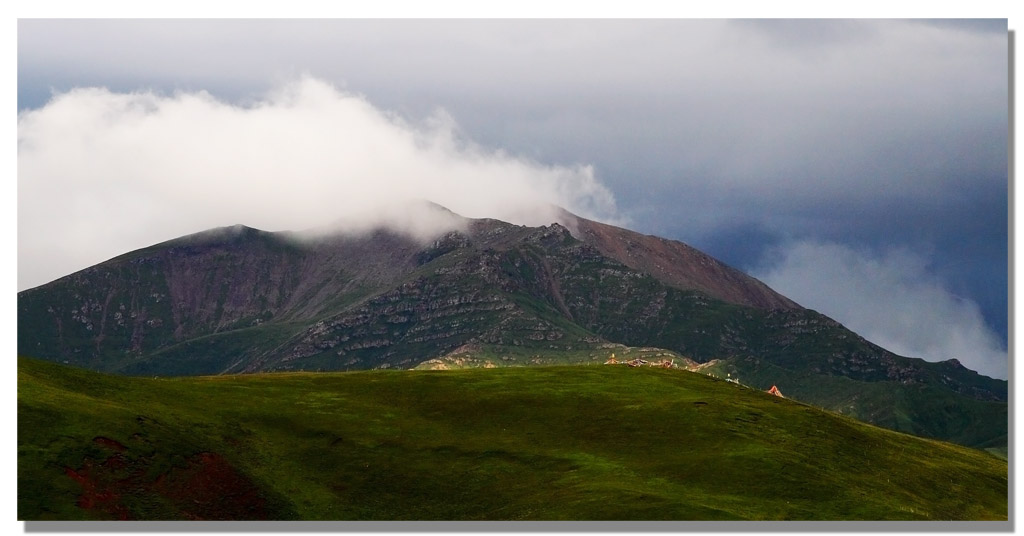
(103, 172)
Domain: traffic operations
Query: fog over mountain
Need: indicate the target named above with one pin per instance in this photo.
(137, 167)
(768, 144)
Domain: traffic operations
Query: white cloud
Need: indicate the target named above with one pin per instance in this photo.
(890, 299)
(101, 173)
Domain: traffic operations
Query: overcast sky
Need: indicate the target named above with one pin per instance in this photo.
(859, 167)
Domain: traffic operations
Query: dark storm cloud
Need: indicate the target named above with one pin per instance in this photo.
(994, 26)
(866, 133)
(808, 34)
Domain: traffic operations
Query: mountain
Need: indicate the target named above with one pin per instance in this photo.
(676, 264)
(237, 299)
(537, 443)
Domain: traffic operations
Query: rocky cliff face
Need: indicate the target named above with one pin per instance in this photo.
(242, 300)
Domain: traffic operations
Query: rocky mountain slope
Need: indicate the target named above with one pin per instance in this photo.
(241, 300)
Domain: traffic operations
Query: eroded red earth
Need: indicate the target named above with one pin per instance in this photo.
(207, 487)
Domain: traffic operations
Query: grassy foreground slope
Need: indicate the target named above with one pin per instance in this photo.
(580, 443)
(914, 408)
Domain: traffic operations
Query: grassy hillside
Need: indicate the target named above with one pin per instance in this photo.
(919, 409)
(583, 442)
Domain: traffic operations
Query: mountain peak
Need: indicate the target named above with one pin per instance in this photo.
(675, 263)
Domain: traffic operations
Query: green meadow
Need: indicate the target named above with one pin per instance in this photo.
(587, 442)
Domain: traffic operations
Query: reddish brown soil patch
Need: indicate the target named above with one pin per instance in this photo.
(97, 495)
(109, 443)
(207, 488)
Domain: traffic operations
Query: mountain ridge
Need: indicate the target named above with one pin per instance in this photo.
(237, 299)
(675, 263)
